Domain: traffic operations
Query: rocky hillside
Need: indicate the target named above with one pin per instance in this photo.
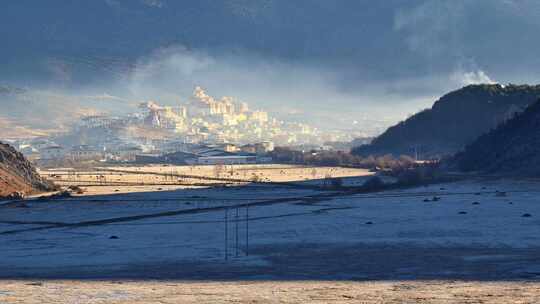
(511, 148)
(455, 120)
(17, 174)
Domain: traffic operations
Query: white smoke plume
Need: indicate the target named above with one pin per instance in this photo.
(472, 77)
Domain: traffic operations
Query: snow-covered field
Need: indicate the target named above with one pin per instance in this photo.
(273, 232)
(268, 243)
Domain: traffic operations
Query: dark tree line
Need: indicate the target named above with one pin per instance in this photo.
(340, 158)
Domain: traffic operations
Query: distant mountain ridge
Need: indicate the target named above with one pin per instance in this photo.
(454, 121)
(511, 148)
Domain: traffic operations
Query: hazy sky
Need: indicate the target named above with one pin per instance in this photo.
(328, 59)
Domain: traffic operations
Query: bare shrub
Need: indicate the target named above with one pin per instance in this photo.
(336, 182)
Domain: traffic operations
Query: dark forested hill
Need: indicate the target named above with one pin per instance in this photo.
(513, 147)
(455, 120)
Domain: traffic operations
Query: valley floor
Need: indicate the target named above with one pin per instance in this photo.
(459, 242)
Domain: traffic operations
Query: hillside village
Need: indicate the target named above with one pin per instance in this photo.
(202, 130)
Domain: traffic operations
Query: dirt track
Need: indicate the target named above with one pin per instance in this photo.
(93, 292)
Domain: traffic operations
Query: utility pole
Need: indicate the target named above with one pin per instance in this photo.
(247, 230)
(236, 227)
(226, 233)
(415, 149)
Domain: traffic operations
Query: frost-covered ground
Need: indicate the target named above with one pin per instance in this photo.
(471, 232)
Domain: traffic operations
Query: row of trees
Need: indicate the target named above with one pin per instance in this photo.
(340, 158)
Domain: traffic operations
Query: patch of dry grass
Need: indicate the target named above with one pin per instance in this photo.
(133, 292)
